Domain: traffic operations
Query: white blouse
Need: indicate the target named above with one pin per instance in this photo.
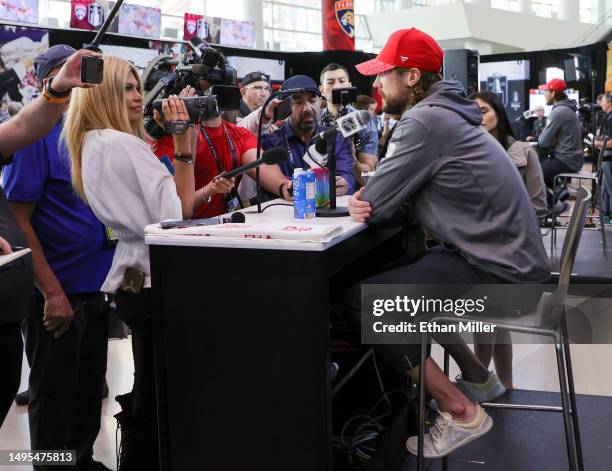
(128, 188)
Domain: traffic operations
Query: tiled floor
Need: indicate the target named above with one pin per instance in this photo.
(534, 368)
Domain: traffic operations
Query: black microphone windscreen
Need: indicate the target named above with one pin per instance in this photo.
(276, 155)
(321, 146)
(237, 217)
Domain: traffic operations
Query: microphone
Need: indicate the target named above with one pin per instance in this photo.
(347, 125)
(276, 155)
(236, 217)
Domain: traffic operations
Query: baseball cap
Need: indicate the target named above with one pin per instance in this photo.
(255, 77)
(556, 85)
(51, 58)
(406, 48)
(301, 81)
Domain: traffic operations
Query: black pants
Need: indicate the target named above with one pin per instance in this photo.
(67, 378)
(552, 167)
(436, 267)
(11, 353)
(135, 310)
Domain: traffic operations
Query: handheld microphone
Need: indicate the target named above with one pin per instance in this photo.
(347, 125)
(276, 155)
(234, 218)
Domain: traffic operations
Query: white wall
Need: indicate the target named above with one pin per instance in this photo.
(490, 30)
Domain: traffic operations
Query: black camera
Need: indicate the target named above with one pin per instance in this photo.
(203, 108)
(202, 67)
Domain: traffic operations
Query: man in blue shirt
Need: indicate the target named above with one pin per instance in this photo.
(67, 323)
(335, 76)
(296, 136)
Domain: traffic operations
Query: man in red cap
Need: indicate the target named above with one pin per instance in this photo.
(562, 135)
(442, 169)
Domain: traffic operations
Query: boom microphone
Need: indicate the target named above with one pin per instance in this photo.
(276, 155)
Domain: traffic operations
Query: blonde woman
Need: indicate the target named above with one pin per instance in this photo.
(115, 172)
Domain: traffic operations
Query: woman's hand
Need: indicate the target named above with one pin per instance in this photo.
(219, 185)
(5, 247)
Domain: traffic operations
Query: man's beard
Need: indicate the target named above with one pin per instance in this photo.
(400, 103)
(306, 127)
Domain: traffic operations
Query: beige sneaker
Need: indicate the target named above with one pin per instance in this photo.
(447, 434)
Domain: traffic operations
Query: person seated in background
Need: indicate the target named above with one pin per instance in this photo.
(255, 90)
(538, 124)
(72, 257)
(296, 135)
(334, 76)
(445, 170)
(498, 346)
(524, 156)
(606, 183)
(115, 172)
(563, 136)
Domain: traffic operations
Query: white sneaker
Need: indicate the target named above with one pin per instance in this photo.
(447, 434)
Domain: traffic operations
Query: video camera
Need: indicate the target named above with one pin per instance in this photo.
(165, 76)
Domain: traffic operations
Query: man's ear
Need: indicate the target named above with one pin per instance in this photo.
(321, 89)
(412, 77)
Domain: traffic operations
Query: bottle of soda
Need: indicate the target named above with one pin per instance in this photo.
(304, 187)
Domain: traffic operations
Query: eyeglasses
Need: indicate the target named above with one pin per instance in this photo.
(260, 88)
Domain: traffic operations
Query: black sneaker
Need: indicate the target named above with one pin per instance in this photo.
(23, 398)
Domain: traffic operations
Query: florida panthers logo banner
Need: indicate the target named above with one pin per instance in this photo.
(193, 26)
(86, 14)
(338, 25)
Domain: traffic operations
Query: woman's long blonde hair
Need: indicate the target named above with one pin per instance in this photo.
(101, 107)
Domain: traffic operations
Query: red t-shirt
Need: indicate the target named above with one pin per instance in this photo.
(206, 166)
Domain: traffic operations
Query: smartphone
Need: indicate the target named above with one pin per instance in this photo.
(133, 280)
(283, 110)
(344, 96)
(92, 69)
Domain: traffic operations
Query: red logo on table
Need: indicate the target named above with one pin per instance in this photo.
(345, 15)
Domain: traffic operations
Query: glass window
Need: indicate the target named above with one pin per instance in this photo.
(511, 5)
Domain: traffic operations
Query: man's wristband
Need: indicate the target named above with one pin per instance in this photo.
(54, 93)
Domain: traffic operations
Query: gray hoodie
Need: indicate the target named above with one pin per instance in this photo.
(462, 186)
(563, 134)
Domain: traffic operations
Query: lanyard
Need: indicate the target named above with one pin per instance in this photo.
(214, 151)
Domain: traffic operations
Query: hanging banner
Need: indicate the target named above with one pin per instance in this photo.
(86, 14)
(136, 20)
(24, 11)
(237, 33)
(206, 28)
(338, 25)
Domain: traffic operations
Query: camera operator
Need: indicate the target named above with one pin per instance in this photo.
(255, 90)
(115, 172)
(32, 123)
(606, 184)
(562, 135)
(334, 76)
(221, 147)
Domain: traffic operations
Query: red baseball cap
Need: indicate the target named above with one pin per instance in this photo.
(556, 85)
(406, 48)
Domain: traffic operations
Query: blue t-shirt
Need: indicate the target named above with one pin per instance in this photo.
(72, 238)
(285, 136)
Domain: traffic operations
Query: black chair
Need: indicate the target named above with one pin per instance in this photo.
(597, 178)
(547, 319)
